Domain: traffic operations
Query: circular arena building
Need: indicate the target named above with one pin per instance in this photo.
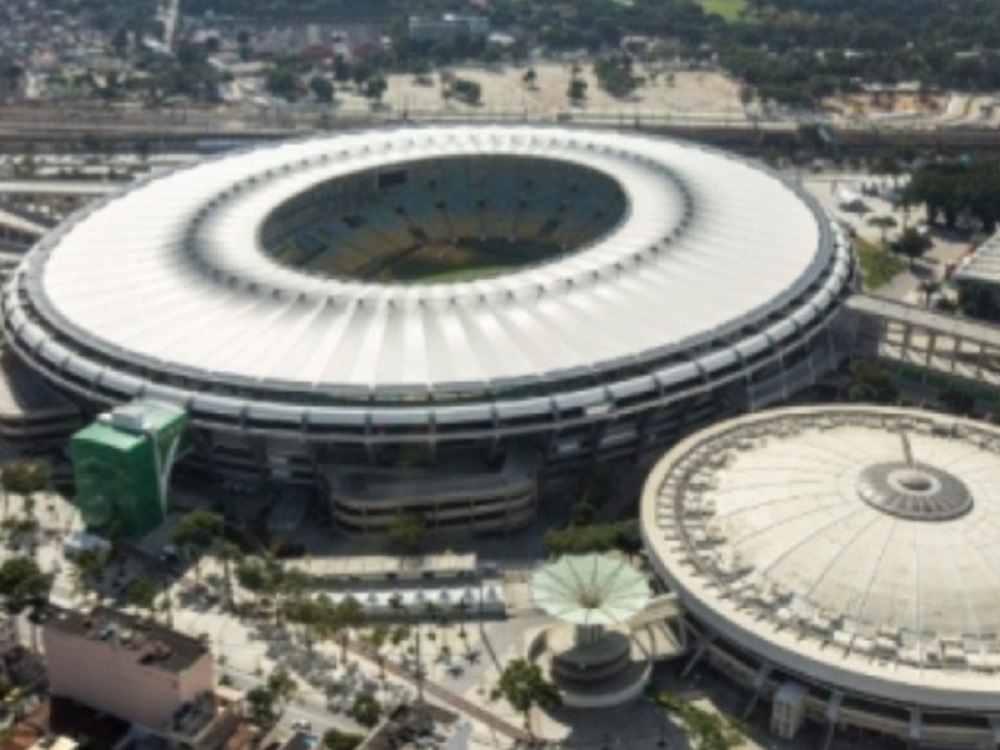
(424, 319)
(842, 563)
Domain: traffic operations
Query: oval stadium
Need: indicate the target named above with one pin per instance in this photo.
(429, 319)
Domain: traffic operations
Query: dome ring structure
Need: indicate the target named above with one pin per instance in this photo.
(279, 294)
(788, 539)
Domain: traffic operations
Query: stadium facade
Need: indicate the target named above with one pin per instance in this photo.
(425, 319)
(840, 562)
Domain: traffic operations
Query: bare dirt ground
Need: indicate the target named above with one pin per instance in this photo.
(866, 105)
(504, 90)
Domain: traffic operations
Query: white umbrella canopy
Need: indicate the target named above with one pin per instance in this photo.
(590, 590)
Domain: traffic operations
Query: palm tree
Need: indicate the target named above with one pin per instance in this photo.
(523, 686)
(229, 553)
(291, 585)
(929, 287)
(141, 593)
(312, 615)
(462, 610)
(378, 637)
(884, 224)
(196, 531)
(282, 685)
(349, 614)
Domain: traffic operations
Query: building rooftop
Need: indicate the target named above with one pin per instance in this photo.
(155, 646)
(854, 545)
(109, 435)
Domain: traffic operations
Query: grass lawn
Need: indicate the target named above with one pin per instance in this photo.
(878, 266)
(730, 10)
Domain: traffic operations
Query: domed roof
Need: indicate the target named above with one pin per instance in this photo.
(590, 590)
(842, 533)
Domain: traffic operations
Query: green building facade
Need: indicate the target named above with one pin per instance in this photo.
(121, 464)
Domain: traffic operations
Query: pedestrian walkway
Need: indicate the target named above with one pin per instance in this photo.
(451, 698)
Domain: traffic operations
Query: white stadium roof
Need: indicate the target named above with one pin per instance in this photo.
(859, 547)
(170, 274)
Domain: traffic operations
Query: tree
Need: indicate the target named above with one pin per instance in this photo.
(407, 531)
(322, 89)
(598, 537)
(24, 478)
(282, 81)
(342, 72)
(523, 686)
(871, 382)
(348, 614)
(260, 577)
(577, 90)
(470, 92)
(119, 42)
(378, 637)
(366, 710)
(243, 41)
(196, 531)
(229, 553)
(88, 566)
(141, 593)
(705, 730)
(614, 75)
(883, 224)
(261, 705)
(912, 243)
(335, 739)
(23, 586)
(282, 685)
(375, 88)
(929, 287)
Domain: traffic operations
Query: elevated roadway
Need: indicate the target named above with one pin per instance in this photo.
(19, 228)
(926, 347)
(85, 188)
(189, 128)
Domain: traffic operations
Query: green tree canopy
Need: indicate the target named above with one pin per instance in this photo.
(322, 89)
(873, 383)
(335, 739)
(25, 477)
(281, 683)
(23, 585)
(141, 593)
(705, 730)
(366, 710)
(262, 705)
(912, 243)
(197, 530)
(408, 531)
(523, 686)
